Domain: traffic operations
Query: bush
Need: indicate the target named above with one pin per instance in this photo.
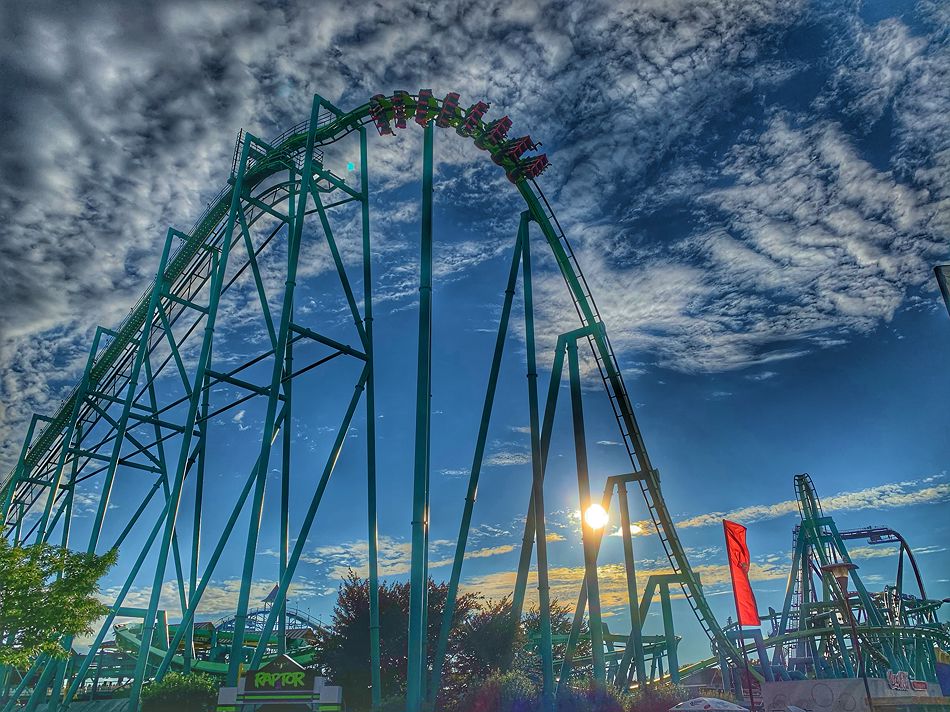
(658, 697)
(181, 693)
(592, 698)
(502, 692)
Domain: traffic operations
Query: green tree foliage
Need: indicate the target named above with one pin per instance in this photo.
(480, 647)
(343, 646)
(46, 592)
(181, 693)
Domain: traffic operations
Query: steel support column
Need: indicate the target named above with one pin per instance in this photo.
(588, 535)
(671, 643)
(287, 433)
(372, 526)
(537, 482)
(41, 533)
(201, 461)
(415, 683)
(634, 646)
(527, 541)
(283, 334)
(20, 471)
(284, 535)
(195, 599)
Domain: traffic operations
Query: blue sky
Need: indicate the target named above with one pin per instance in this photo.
(757, 193)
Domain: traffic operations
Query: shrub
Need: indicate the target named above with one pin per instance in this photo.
(181, 693)
(656, 698)
(590, 698)
(502, 692)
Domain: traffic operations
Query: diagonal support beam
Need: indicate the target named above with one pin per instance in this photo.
(283, 334)
(478, 458)
(301, 541)
(204, 357)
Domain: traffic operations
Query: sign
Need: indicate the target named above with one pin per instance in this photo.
(901, 681)
(283, 685)
(282, 674)
(898, 680)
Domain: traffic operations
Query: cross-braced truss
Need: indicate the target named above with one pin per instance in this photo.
(119, 424)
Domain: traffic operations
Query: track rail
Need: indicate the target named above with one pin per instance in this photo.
(114, 358)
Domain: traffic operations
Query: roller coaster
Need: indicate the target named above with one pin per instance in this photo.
(144, 410)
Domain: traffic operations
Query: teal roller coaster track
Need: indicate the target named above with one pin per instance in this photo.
(115, 423)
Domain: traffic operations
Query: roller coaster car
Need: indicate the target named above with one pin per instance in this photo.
(531, 168)
(494, 134)
(473, 118)
(423, 106)
(513, 150)
(450, 108)
(378, 112)
(401, 101)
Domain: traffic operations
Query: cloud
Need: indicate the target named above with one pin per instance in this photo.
(145, 100)
(809, 243)
(220, 597)
(887, 496)
(238, 418)
(762, 375)
(394, 555)
(877, 64)
(507, 458)
(565, 581)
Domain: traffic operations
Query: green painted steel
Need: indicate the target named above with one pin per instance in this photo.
(527, 541)
(633, 649)
(477, 461)
(418, 575)
(301, 539)
(587, 533)
(863, 633)
(277, 373)
(193, 405)
(537, 481)
(199, 268)
(372, 527)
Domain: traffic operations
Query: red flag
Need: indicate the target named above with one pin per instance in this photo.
(738, 553)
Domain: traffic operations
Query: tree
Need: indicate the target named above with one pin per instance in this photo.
(46, 592)
(343, 646)
(180, 693)
(480, 645)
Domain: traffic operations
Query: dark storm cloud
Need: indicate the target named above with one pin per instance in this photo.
(118, 119)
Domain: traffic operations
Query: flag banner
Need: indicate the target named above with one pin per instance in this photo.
(738, 553)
